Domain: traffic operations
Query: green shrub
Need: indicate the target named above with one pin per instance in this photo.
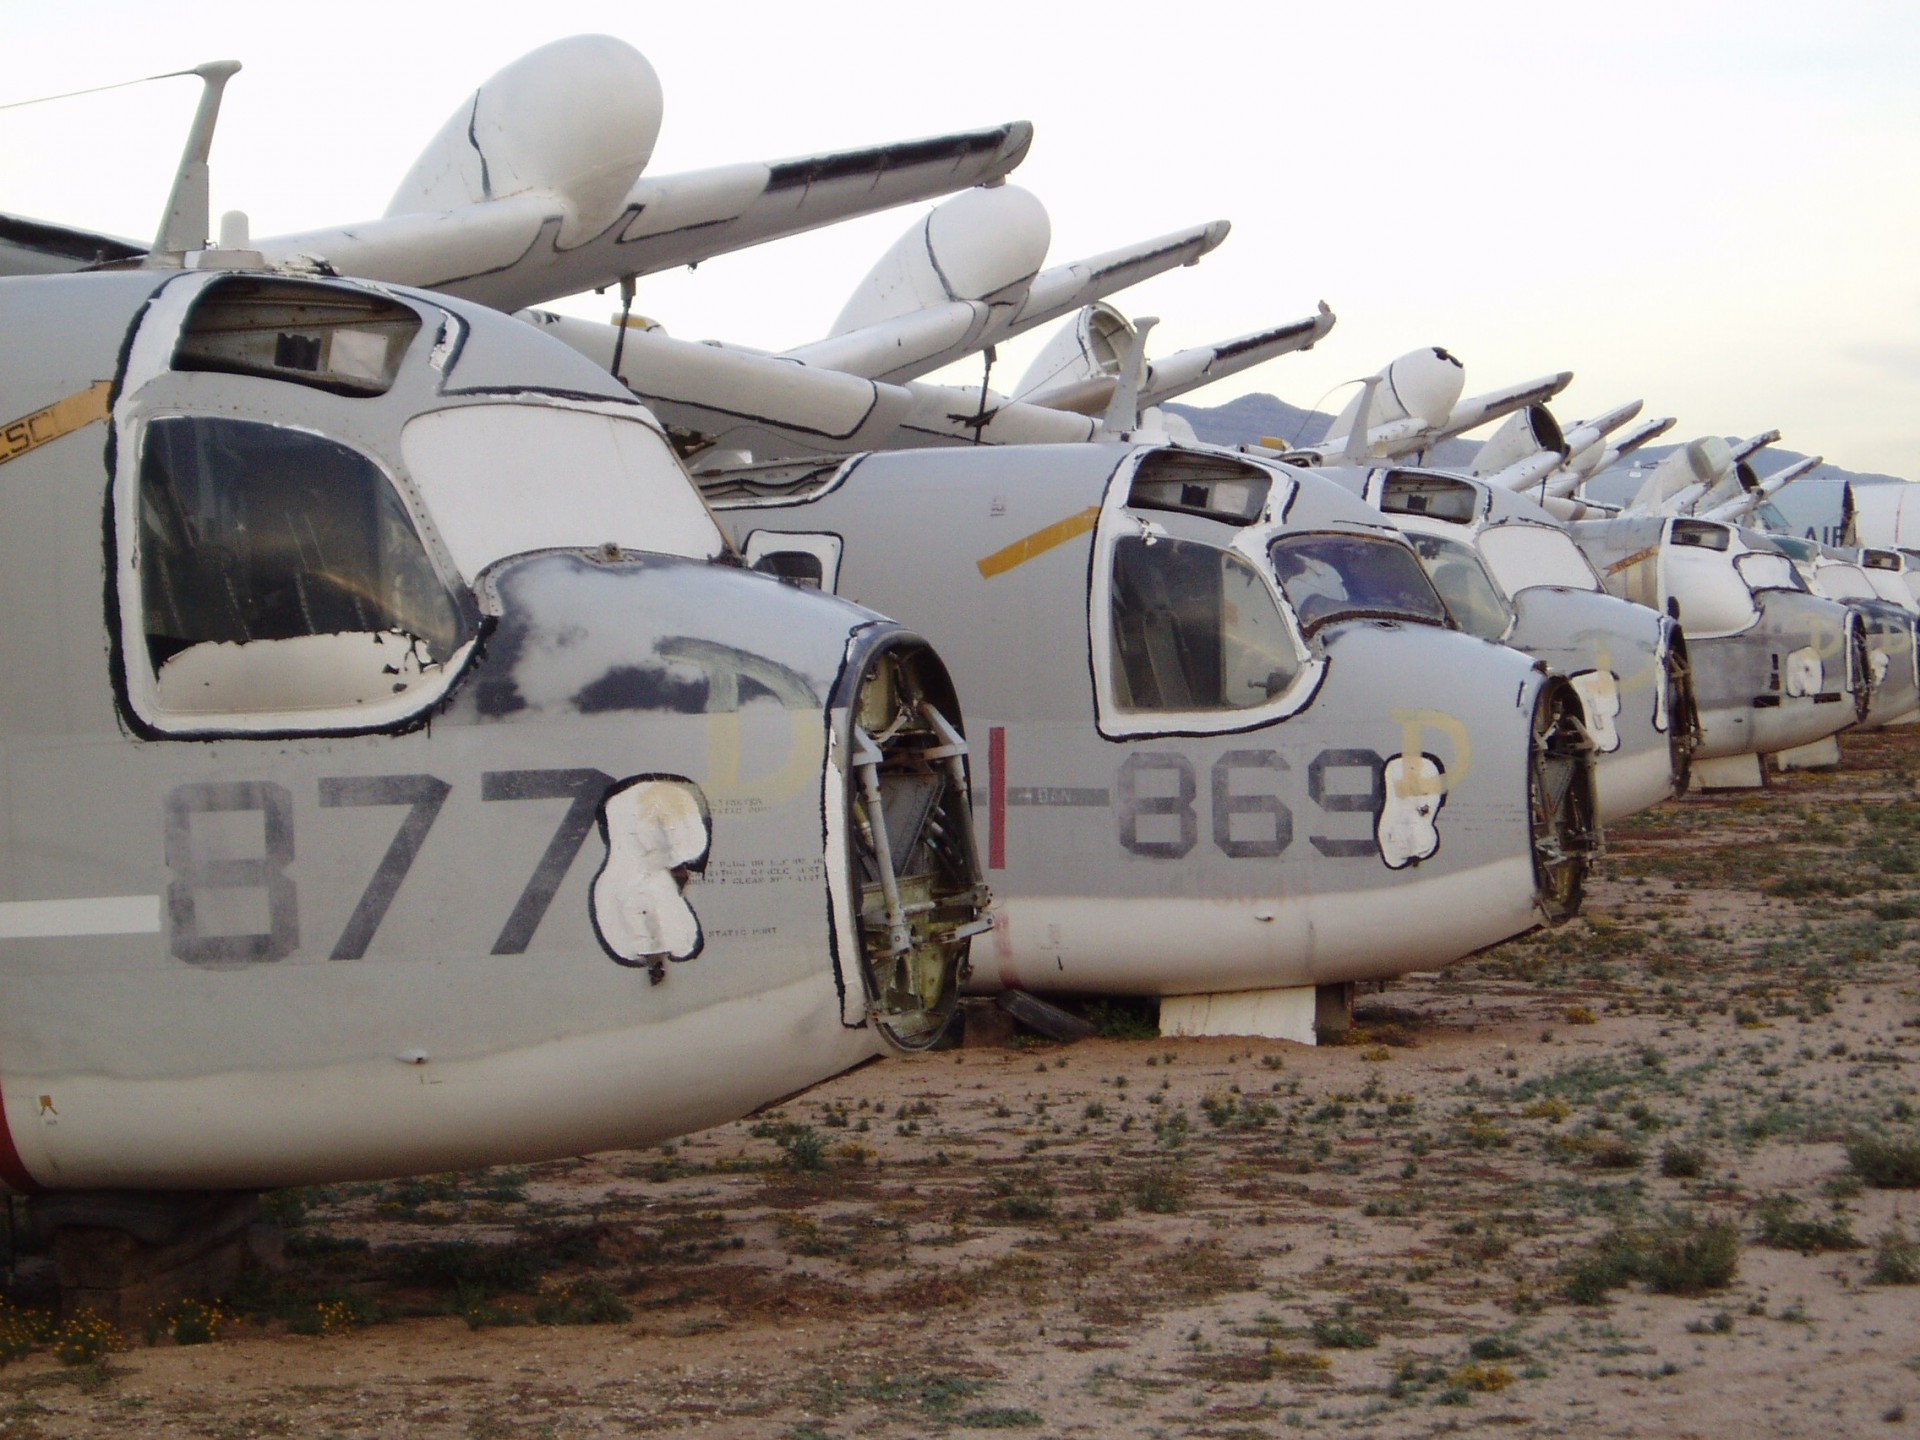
(1886, 1162)
(1896, 1259)
(1781, 1228)
(1679, 1254)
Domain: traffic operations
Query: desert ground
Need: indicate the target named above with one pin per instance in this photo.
(1651, 1173)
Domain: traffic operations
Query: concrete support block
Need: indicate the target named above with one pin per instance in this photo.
(1271, 1014)
(1729, 772)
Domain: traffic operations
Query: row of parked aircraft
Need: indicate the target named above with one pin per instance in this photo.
(447, 733)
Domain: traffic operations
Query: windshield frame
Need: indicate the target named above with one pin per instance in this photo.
(1246, 545)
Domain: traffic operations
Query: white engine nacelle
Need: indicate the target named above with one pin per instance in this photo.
(1422, 385)
(978, 246)
(1524, 434)
(576, 119)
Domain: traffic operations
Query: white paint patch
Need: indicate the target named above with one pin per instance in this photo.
(653, 828)
(1599, 692)
(91, 915)
(1408, 831)
(1804, 671)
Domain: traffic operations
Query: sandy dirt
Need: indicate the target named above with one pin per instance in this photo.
(1468, 1218)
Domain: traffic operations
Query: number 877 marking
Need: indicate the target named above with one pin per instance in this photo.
(423, 795)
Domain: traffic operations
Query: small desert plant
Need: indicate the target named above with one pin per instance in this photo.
(1025, 1196)
(1677, 1255)
(1886, 1162)
(1782, 1228)
(1341, 1332)
(590, 1303)
(1896, 1258)
(1162, 1189)
(193, 1323)
(1125, 1019)
(86, 1338)
(1683, 1162)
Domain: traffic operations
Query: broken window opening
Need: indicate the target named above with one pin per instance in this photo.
(1438, 497)
(1764, 570)
(1702, 533)
(253, 533)
(1462, 580)
(1195, 628)
(1348, 577)
(346, 342)
(795, 567)
(1194, 484)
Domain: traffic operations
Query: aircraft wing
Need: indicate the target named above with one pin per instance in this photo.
(506, 253)
(33, 247)
(905, 347)
(1477, 410)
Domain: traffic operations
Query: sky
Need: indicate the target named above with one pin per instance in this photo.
(1708, 206)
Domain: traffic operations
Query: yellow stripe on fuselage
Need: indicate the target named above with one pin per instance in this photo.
(1039, 542)
(63, 417)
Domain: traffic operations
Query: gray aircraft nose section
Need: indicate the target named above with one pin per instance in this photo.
(1638, 707)
(638, 633)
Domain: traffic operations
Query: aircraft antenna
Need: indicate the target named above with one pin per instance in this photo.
(187, 220)
(95, 90)
(626, 315)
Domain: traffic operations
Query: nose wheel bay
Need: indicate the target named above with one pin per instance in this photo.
(921, 895)
(1561, 801)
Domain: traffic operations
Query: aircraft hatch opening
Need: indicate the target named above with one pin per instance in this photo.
(1561, 801)
(921, 896)
(1682, 711)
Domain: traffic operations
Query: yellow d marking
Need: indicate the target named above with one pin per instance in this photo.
(1039, 542)
(63, 417)
(1421, 781)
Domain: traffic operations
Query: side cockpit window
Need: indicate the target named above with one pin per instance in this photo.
(1455, 569)
(1194, 628)
(280, 574)
(1331, 577)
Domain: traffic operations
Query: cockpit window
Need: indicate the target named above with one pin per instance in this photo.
(1341, 577)
(1523, 556)
(1194, 628)
(254, 533)
(1763, 571)
(1463, 583)
(508, 479)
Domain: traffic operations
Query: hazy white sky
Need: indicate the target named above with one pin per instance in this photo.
(1707, 205)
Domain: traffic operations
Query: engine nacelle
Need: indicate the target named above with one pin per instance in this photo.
(1524, 434)
(576, 119)
(1421, 385)
(980, 245)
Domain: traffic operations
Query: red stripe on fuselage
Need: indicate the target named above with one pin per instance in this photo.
(997, 798)
(13, 1171)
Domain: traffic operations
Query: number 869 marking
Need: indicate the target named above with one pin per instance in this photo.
(423, 795)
